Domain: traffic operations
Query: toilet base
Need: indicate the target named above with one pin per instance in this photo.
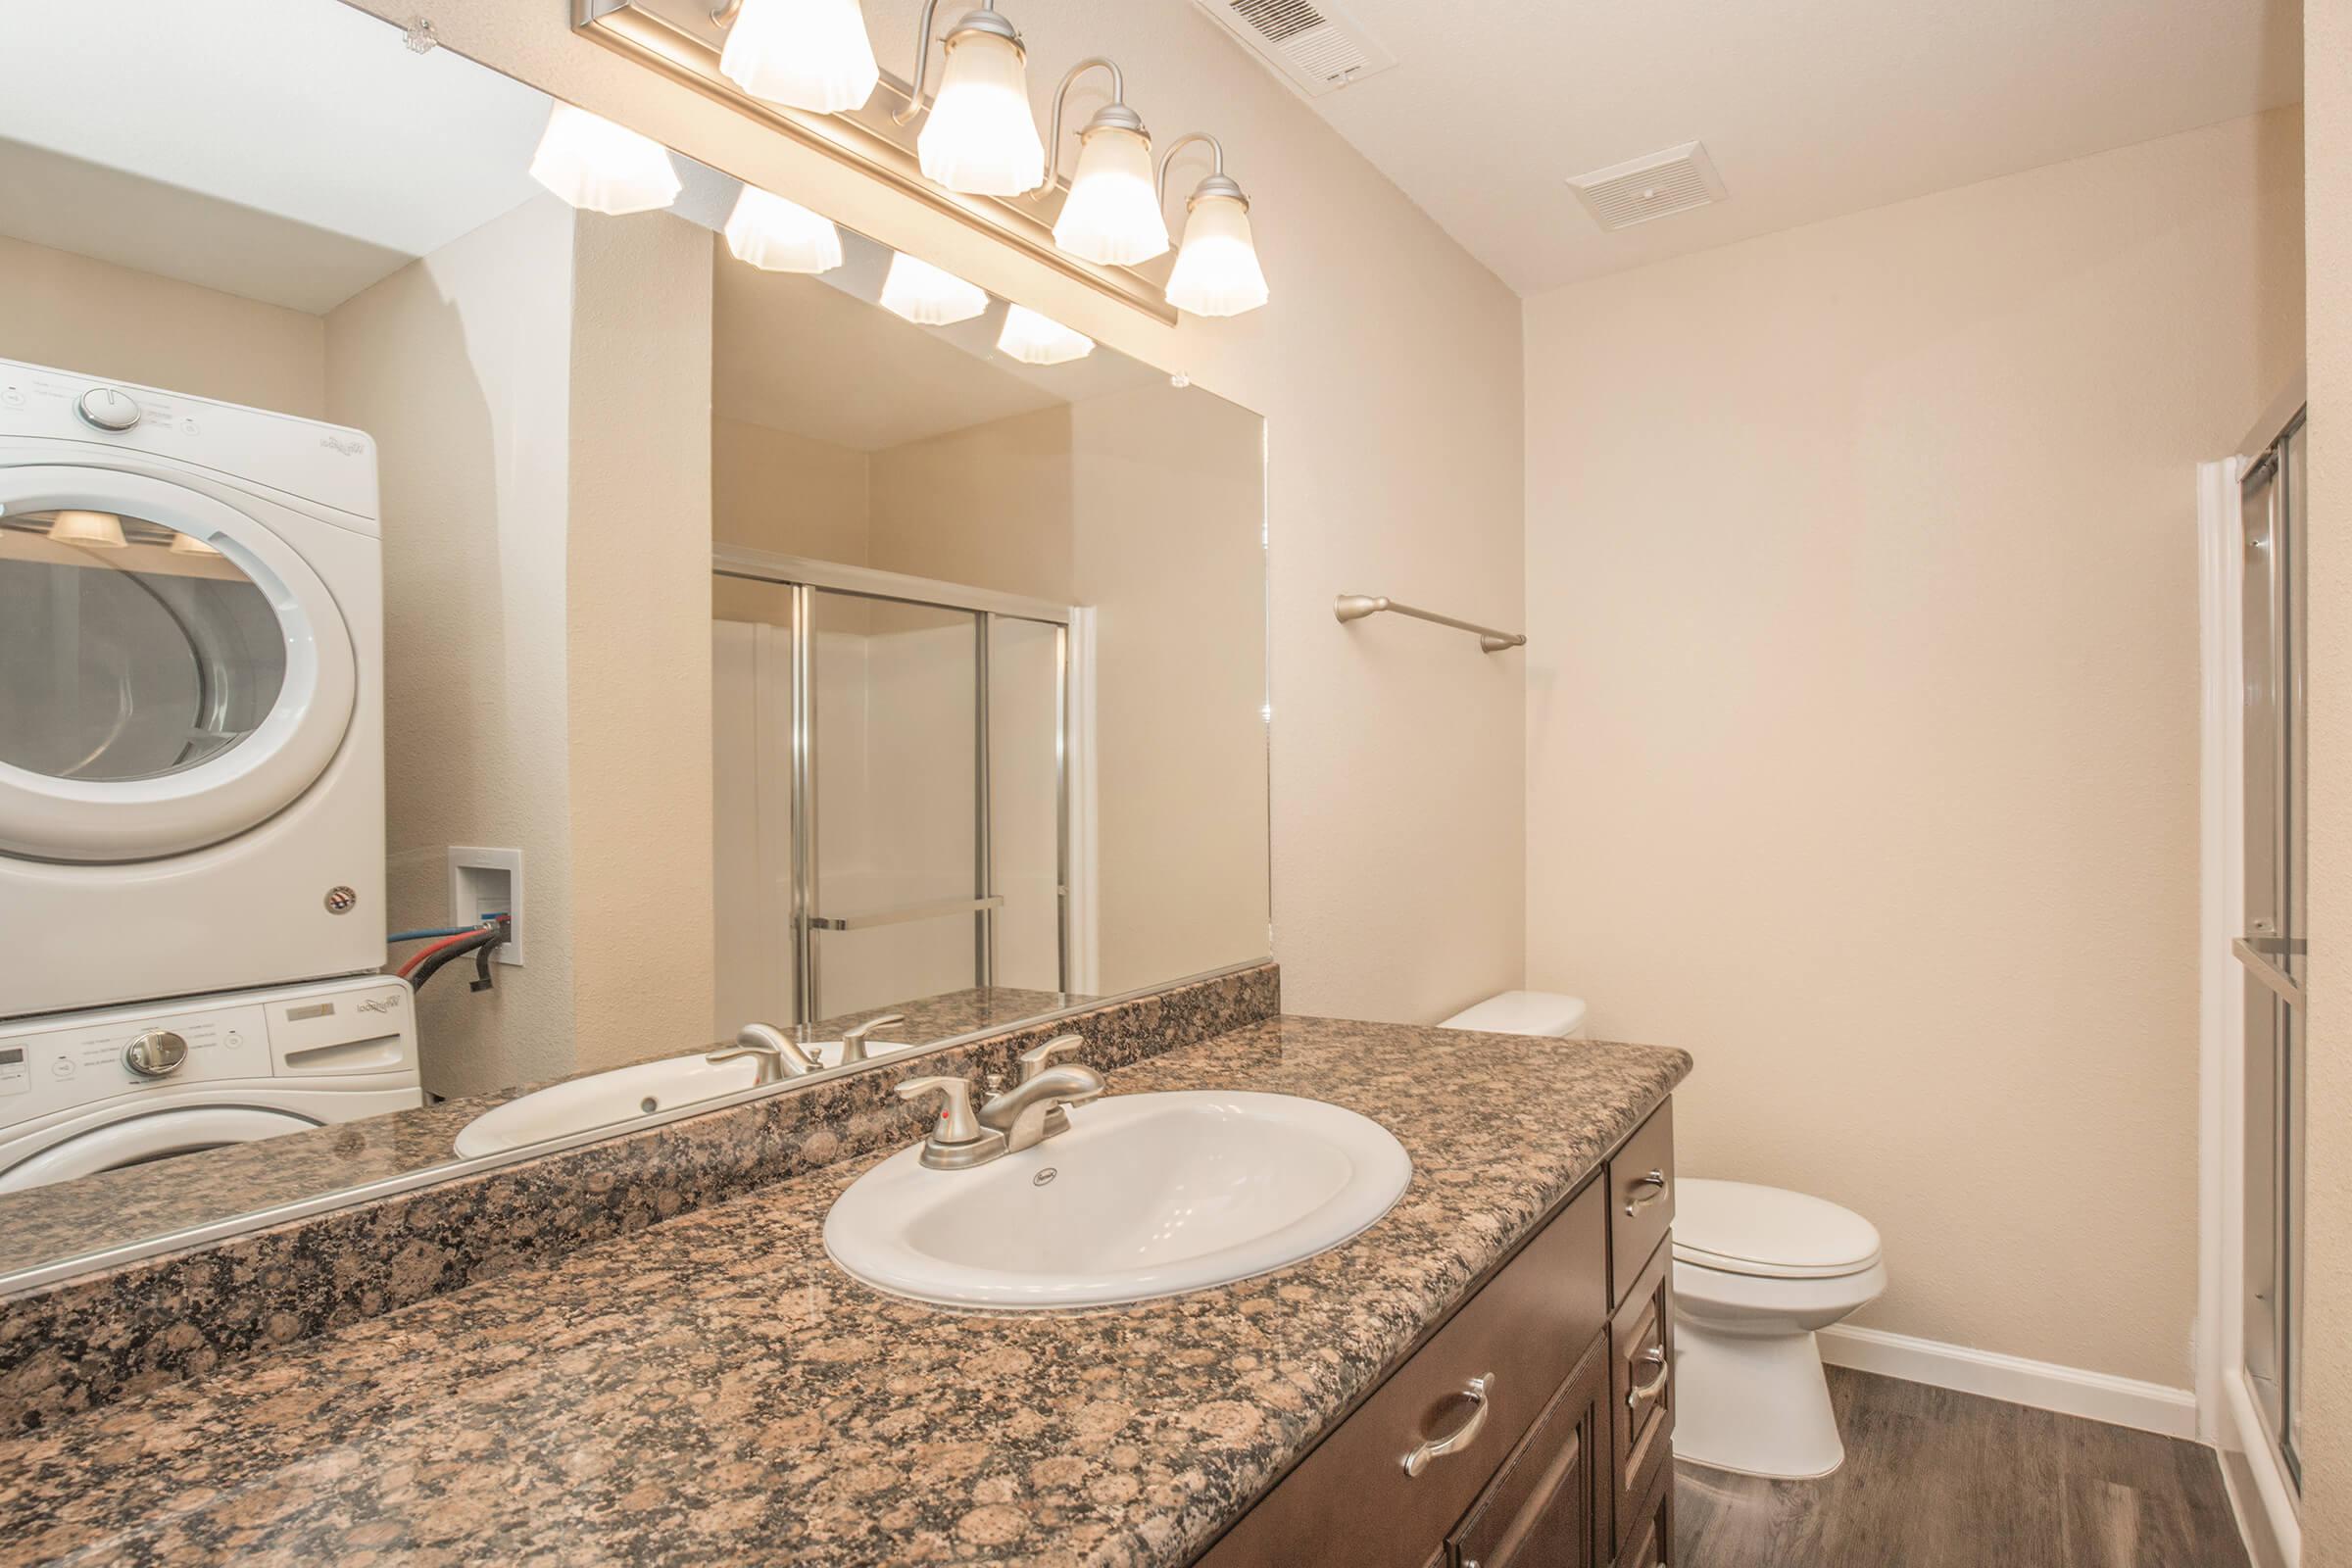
(1758, 1404)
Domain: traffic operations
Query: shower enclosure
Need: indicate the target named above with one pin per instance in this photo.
(2274, 951)
(893, 793)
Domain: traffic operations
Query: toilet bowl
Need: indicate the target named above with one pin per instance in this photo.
(1757, 1272)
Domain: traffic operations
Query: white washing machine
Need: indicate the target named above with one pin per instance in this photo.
(191, 710)
(99, 1091)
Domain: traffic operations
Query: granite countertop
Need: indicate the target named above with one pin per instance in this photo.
(713, 1390)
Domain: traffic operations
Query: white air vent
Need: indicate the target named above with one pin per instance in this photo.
(1657, 186)
(1313, 46)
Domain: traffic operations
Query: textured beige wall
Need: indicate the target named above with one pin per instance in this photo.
(2327, 1238)
(1862, 710)
(987, 505)
(73, 313)
(786, 494)
(639, 594)
(1389, 370)
(460, 365)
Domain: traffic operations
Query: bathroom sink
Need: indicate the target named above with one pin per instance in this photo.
(605, 1098)
(1145, 1196)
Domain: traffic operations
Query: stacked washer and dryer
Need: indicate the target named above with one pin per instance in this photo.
(191, 779)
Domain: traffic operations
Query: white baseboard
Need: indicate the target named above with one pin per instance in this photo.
(2044, 1384)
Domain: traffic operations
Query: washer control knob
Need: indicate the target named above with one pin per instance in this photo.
(108, 408)
(157, 1054)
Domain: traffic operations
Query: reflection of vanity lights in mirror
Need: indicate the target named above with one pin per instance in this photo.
(1035, 339)
(777, 235)
(804, 54)
(1216, 270)
(187, 544)
(93, 530)
(916, 291)
(1112, 213)
(592, 163)
(981, 138)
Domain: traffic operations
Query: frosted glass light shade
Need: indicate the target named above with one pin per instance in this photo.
(921, 293)
(1216, 272)
(1112, 213)
(594, 163)
(776, 235)
(93, 530)
(1035, 339)
(981, 138)
(807, 53)
(187, 544)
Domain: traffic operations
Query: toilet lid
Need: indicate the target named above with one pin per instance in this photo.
(1523, 1012)
(1769, 1232)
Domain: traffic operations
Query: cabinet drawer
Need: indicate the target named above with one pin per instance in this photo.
(1352, 1501)
(1640, 1197)
(1650, 1539)
(1642, 1386)
(1550, 1505)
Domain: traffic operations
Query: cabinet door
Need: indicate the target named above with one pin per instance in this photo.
(1642, 1386)
(1650, 1536)
(1548, 1505)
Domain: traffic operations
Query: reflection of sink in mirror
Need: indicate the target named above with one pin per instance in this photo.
(608, 1098)
(1146, 1196)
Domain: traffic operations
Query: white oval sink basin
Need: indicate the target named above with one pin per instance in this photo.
(1145, 1196)
(605, 1099)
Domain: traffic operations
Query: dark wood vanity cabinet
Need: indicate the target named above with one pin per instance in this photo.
(1534, 1429)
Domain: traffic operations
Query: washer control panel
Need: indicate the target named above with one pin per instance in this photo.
(107, 407)
(359, 1029)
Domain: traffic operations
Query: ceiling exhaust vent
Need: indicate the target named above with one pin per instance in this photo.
(1657, 186)
(1314, 46)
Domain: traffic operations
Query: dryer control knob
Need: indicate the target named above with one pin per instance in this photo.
(157, 1054)
(108, 408)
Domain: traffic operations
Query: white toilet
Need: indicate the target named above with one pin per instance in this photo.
(1756, 1272)
(1525, 1013)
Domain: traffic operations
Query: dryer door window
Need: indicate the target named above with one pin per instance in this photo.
(134, 649)
(172, 672)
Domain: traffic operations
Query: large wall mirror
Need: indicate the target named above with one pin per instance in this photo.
(789, 647)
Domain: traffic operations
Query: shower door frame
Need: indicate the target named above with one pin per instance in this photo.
(804, 578)
(2257, 1471)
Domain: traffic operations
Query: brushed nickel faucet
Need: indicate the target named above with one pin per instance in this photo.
(1023, 1116)
(779, 1059)
(852, 1041)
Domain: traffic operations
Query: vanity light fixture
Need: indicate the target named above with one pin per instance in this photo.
(1035, 339)
(1216, 271)
(603, 168)
(92, 530)
(1112, 214)
(777, 235)
(187, 544)
(803, 54)
(981, 138)
(916, 291)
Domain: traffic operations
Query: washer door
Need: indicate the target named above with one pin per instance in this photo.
(142, 1139)
(171, 673)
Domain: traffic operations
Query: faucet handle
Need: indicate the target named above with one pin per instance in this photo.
(1038, 1057)
(958, 1124)
(852, 1041)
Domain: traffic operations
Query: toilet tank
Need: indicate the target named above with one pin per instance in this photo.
(1525, 1013)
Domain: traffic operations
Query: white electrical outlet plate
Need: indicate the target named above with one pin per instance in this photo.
(488, 882)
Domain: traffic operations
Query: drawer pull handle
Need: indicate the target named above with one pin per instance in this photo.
(1647, 1189)
(1460, 1437)
(1656, 1356)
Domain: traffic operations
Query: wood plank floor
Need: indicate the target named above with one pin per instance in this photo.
(1934, 1479)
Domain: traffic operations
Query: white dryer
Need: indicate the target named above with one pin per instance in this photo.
(192, 696)
(90, 1092)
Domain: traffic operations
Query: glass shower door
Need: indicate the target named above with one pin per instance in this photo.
(2275, 950)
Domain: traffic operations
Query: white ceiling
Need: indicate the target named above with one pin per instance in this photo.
(1811, 108)
(287, 150)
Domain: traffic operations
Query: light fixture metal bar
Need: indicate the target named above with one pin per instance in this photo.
(679, 40)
